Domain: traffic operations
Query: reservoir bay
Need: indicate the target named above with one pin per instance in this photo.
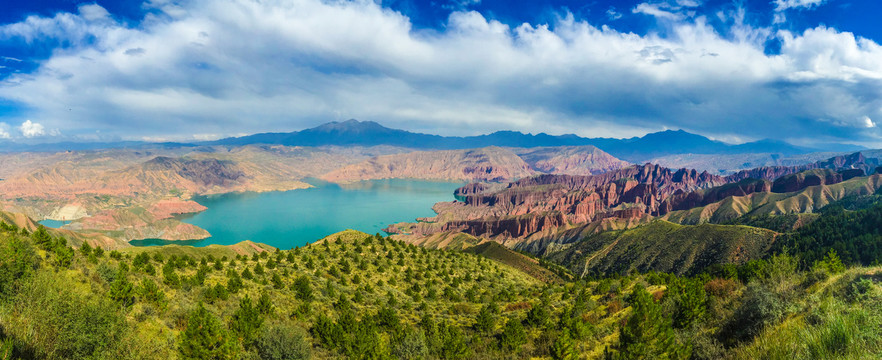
(293, 218)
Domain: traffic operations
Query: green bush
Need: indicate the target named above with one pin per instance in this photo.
(760, 308)
(58, 323)
(283, 342)
(18, 261)
(410, 344)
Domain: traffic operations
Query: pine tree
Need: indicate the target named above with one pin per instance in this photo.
(485, 321)
(150, 292)
(265, 304)
(302, 288)
(246, 321)
(513, 336)
(277, 281)
(206, 338)
(538, 315)
(648, 334)
(564, 348)
(121, 290)
(691, 299)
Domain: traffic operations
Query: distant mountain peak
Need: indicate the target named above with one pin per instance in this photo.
(351, 125)
(353, 132)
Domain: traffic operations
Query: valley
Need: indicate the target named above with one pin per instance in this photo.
(498, 252)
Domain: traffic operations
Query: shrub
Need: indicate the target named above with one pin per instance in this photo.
(564, 348)
(721, 288)
(150, 292)
(18, 261)
(283, 342)
(59, 323)
(759, 309)
(410, 344)
(328, 332)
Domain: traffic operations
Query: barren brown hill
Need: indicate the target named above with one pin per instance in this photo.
(570, 160)
(116, 191)
(485, 164)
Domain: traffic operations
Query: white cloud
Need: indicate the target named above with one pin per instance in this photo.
(31, 129)
(93, 12)
(781, 5)
(868, 123)
(657, 11)
(4, 131)
(784, 5)
(612, 14)
(224, 66)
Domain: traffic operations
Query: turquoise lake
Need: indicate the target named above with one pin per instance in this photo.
(293, 218)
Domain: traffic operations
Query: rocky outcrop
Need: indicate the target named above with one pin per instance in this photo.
(682, 200)
(855, 161)
(803, 201)
(534, 207)
(802, 180)
(849, 174)
(545, 203)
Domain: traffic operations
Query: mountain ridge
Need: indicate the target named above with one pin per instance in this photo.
(635, 149)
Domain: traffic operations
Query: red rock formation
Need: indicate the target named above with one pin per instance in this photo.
(682, 200)
(771, 173)
(796, 182)
(547, 202)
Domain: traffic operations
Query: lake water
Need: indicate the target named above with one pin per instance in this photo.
(53, 223)
(293, 218)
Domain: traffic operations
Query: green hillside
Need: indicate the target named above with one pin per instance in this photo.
(358, 296)
(494, 251)
(665, 247)
(807, 200)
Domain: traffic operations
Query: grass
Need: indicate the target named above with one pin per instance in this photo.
(825, 324)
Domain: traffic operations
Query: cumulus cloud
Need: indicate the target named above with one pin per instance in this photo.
(868, 123)
(31, 129)
(224, 66)
(4, 131)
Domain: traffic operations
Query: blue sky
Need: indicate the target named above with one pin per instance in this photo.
(805, 71)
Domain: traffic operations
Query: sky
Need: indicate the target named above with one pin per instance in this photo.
(803, 71)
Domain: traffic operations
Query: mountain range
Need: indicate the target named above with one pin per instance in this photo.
(636, 149)
(368, 133)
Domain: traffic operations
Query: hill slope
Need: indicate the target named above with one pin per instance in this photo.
(665, 247)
